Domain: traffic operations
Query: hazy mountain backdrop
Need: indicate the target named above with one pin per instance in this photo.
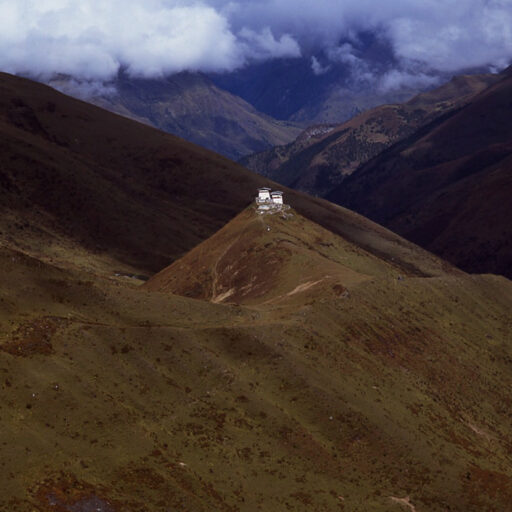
(324, 155)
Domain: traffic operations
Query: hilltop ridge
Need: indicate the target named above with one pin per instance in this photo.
(260, 258)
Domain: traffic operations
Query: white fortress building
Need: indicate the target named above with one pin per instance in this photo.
(277, 197)
(263, 196)
(269, 200)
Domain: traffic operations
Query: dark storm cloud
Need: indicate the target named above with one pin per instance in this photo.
(93, 39)
(446, 34)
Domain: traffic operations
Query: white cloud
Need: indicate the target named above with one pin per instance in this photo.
(360, 72)
(83, 89)
(317, 68)
(263, 45)
(396, 79)
(93, 39)
(448, 35)
(456, 34)
(345, 54)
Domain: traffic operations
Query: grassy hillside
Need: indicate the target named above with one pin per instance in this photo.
(76, 179)
(262, 258)
(392, 391)
(318, 362)
(75, 174)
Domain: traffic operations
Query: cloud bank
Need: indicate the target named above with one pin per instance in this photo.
(94, 39)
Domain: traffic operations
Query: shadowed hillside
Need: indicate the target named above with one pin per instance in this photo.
(77, 180)
(191, 106)
(447, 187)
(73, 173)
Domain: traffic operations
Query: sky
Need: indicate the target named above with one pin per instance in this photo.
(94, 39)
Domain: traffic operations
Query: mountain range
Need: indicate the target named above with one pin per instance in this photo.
(434, 169)
(324, 155)
(191, 106)
(144, 181)
(305, 360)
(447, 186)
(261, 105)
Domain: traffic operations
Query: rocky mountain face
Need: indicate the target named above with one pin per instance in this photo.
(306, 360)
(447, 187)
(324, 155)
(263, 104)
(190, 106)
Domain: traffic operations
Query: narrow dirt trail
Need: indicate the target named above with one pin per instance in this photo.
(216, 297)
(405, 502)
(300, 288)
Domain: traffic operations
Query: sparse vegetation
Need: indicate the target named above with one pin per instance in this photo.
(318, 164)
(446, 187)
(364, 375)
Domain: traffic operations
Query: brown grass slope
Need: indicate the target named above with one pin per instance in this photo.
(126, 399)
(323, 156)
(362, 392)
(447, 188)
(73, 171)
(78, 180)
(262, 258)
